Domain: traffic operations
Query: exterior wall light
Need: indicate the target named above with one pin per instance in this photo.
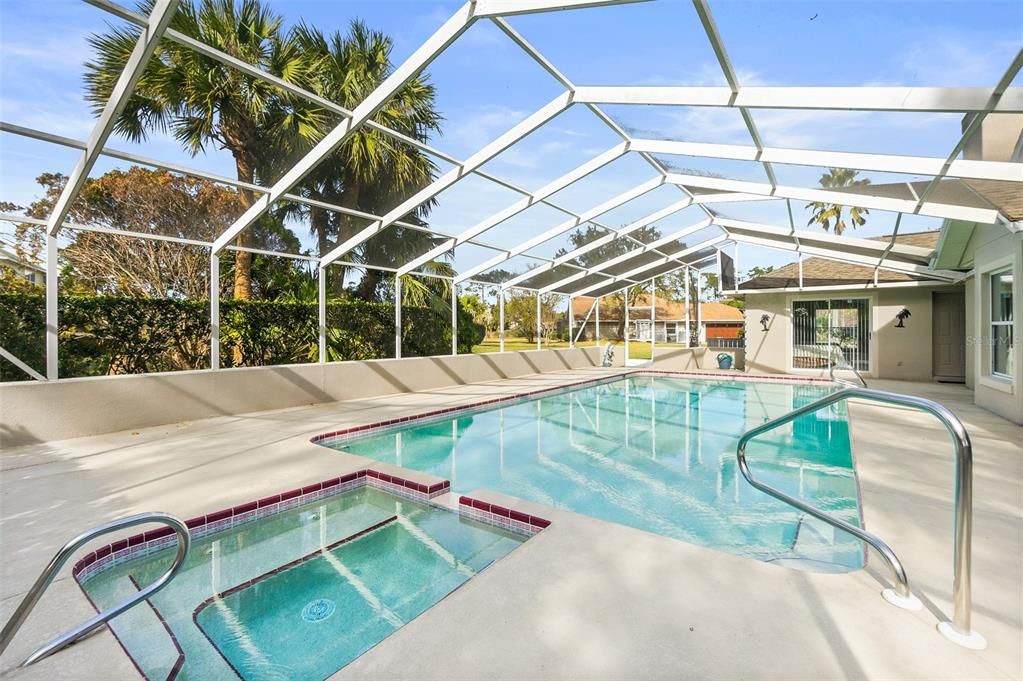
(902, 316)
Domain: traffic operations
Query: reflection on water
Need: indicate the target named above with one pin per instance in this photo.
(657, 454)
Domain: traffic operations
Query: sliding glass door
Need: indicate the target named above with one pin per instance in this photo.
(831, 330)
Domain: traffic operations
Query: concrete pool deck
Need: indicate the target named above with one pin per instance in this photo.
(584, 598)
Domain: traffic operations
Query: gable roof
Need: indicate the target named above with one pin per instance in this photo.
(825, 272)
(667, 310)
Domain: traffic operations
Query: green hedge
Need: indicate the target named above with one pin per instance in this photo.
(114, 335)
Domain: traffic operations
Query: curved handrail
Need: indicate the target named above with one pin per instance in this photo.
(963, 491)
(832, 365)
(62, 556)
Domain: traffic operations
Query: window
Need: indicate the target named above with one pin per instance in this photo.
(833, 330)
(1001, 324)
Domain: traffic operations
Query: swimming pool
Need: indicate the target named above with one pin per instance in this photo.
(296, 594)
(656, 453)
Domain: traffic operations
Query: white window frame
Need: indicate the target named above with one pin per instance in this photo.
(991, 323)
(872, 346)
(983, 360)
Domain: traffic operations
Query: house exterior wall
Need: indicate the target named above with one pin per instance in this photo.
(896, 353)
(996, 250)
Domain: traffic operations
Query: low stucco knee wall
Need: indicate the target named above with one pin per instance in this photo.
(32, 412)
(693, 359)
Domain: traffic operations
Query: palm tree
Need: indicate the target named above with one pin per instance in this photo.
(371, 171)
(202, 102)
(828, 214)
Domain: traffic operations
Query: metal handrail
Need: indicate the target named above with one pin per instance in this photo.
(961, 595)
(62, 556)
(832, 365)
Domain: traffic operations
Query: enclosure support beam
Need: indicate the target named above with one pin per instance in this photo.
(625, 300)
(566, 226)
(513, 135)
(461, 20)
(321, 306)
(652, 246)
(689, 335)
(500, 293)
(52, 284)
(124, 88)
(511, 211)
(454, 318)
(839, 255)
(596, 333)
(214, 311)
(888, 163)
(856, 98)
(873, 201)
(397, 317)
(973, 126)
(653, 317)
(640, 272)
(21, 365)
(538, 327)
(571, 324)
(735, 267)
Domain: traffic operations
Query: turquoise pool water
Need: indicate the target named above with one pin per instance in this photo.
(234, 612)
(658, 454)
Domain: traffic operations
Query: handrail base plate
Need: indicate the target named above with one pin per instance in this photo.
(910, 602)
(972, 640)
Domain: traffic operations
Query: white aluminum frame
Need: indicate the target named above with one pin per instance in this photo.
(980, 101)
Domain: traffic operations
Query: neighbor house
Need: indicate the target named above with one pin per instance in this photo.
(714, 324)
(30, 272)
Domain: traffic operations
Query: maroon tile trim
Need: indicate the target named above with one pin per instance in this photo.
(480, 505)
(176, 667)
(319, 439)
(287, 566)
(199, 523)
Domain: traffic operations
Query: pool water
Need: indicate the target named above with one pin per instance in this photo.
(658, 454)
(300, 594)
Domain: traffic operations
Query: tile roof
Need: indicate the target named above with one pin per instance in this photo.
(825, 272)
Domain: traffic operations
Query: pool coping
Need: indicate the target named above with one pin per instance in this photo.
(151, 541)
(343, 435)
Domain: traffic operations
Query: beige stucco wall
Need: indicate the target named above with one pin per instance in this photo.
(694, 359)
(767, 352)
(904, 354)
(996, 248)
(40, 412)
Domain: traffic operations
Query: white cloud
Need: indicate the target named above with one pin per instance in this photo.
(474, 127)
(949, 59)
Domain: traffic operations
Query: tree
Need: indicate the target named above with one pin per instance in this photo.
(520, 315)
(202, 102)
(371, 171)
(758, 271)
(153, 202)
(478, 309)
(831, 214)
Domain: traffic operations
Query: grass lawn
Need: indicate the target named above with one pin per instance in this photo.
(641, 349)
(637, 349)
(516, 344)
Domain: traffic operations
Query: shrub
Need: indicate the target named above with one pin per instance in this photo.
(114, 335)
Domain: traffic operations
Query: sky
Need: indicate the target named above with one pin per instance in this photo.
(486, 84)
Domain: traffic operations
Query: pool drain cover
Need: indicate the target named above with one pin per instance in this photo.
(318, 610)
